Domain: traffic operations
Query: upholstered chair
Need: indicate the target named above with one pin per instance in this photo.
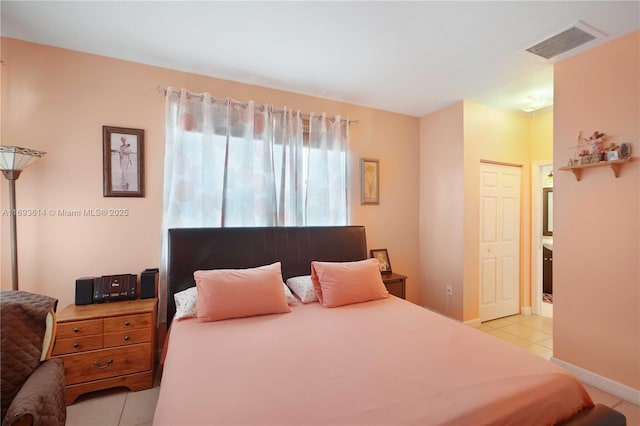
(32, 385)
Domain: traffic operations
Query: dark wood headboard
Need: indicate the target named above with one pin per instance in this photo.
(192, 249)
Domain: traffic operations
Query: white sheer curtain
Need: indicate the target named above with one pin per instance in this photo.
(230, 163)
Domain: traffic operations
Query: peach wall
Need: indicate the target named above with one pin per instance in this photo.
(596, 275)
(452, 143)
(502, 136)
(542, 135)
(442, 209)
(57, 101)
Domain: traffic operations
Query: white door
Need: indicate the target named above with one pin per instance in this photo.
(499, 241)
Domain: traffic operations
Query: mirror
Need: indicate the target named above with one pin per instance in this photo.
(547, 212)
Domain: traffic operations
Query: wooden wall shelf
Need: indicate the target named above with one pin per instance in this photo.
(616, 166)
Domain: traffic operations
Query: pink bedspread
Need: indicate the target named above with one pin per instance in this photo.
(386, 362)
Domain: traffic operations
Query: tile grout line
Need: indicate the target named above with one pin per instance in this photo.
(622, 401)
(617, 403)
(518, 336)
(122, 409)
(523, 338)
(535, 328)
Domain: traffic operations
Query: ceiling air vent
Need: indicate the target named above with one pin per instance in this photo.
(566, 41)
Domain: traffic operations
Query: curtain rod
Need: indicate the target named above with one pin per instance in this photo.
(201, 96)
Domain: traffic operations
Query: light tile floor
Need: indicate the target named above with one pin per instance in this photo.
(114, 407)
(121, 407)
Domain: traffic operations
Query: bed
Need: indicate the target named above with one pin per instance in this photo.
(384, 361)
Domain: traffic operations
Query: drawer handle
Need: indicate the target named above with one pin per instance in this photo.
(75, 345)
(75, 329)
(97, 364)
(126, 323)
(126, 337)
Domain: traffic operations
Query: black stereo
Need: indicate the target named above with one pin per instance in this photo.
(114, 287)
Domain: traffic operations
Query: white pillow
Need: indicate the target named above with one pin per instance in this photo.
(186, 301)
(303, 288)
(291, 299)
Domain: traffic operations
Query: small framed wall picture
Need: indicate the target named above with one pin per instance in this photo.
(122, 162)
(612, 155)
(370, 181)
(382, 256)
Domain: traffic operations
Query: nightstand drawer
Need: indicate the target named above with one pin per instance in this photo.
(127, 337)
(106, 363)
(79, 329)
(127, 322)
(78, 344)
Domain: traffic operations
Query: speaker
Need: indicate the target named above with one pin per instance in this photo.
(84, 290)
(148, 283)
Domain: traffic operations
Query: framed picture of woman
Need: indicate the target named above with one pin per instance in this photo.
(122, 162)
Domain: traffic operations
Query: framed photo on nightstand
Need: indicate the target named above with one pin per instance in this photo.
(382, 256)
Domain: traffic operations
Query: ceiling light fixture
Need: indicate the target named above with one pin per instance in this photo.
(535, 102)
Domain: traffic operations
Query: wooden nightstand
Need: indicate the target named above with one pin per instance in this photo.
(107, 345)
(395, 284)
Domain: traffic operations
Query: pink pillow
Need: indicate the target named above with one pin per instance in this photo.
(236, 293)
(338, 284)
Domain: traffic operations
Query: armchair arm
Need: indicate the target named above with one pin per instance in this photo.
(40, 401)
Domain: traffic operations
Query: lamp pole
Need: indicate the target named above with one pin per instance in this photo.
(11, 176)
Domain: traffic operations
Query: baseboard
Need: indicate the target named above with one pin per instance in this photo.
(611, 386)
(475, 323)
(525, 310)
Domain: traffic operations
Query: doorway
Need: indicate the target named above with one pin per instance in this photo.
(499, 240)
(542, 238)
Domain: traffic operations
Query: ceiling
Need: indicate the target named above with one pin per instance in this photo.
(407, 57)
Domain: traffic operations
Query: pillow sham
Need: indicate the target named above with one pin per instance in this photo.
(186, 301)
(302, 286)
(291, 299)
(344, 283)
(237, 293)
